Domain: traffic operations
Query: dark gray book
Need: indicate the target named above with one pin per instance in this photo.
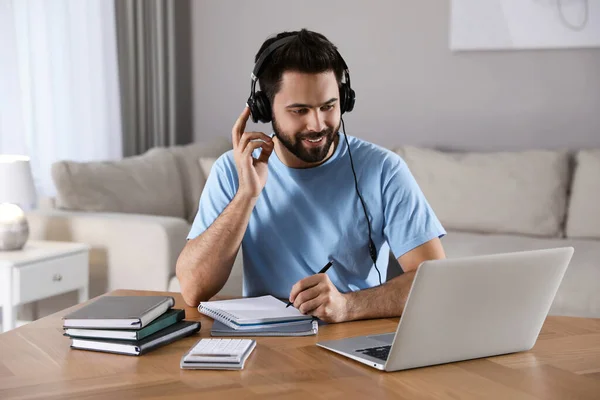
(169, 318)
(154, 341)
(119, 312)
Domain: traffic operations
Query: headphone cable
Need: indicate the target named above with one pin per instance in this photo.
(372, 248)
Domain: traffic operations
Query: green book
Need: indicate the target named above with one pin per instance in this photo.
(169, 318)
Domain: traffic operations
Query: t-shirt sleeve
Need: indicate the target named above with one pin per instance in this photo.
(218, 192)
(409, 220)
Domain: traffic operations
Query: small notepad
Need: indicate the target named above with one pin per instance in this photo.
(252, 312)
(229, 354)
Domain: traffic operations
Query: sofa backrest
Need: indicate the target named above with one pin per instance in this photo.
(503, 192)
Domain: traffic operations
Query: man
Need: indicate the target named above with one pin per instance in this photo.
(292, 200)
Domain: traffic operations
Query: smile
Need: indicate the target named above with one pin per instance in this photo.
(315, 140)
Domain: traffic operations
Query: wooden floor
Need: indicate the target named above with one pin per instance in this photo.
(37, 363)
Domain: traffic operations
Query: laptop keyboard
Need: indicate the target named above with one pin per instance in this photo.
(381, 352)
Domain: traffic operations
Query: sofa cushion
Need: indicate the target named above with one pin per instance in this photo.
(191, 175)
(579, 293)
(146, 184)
(583, 219)
(504, 192)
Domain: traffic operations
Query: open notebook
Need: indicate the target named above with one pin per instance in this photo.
(252, 312)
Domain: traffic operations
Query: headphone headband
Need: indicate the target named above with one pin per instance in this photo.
(266, 53)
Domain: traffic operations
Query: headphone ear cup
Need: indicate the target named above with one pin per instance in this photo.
(263, 107)
(253, 110)
(343, 90)
(347, 97)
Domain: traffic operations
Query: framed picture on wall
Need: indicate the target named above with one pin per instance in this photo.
(524, 24)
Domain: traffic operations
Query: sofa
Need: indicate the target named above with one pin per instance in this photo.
(514, 201)
(137, 212)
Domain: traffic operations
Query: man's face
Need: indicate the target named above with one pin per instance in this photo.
(306, 114)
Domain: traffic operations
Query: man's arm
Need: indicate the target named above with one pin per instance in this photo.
(389, 299)
(205, 262)
(316, 295)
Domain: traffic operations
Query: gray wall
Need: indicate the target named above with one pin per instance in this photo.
(410, 88)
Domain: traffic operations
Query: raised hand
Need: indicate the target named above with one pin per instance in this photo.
(252, 172)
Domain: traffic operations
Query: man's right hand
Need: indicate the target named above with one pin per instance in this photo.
(252, 172)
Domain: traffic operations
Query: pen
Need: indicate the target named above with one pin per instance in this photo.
(322, 271)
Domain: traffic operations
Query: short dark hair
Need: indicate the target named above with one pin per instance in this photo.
(309, 52)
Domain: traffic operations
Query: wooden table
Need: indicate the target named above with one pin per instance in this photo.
(37, 363)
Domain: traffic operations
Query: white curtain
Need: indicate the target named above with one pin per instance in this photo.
(59, 96)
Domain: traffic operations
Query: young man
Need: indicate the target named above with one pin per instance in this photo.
(291, 201)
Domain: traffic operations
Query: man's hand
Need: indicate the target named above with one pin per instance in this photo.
(252, 172)
(317, 296)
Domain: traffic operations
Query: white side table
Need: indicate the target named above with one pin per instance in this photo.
(41, 269)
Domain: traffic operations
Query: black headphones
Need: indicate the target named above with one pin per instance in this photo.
(260, 107)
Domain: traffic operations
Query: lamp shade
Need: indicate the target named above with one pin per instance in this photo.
(16, 181)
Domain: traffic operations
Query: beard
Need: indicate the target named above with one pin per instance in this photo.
(294, 143)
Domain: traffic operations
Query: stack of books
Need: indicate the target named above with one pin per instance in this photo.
(257, 316)
(131, 325)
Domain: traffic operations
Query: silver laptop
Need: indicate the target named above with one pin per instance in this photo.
(465, 308)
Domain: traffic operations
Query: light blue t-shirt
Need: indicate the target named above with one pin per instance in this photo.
(305, 217)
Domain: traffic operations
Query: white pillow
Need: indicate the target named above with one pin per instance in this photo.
(583, 220)
(146, 184)
(504, 192)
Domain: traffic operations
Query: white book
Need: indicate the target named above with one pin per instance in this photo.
(252, 312)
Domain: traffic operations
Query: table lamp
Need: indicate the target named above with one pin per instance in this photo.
(16, 191)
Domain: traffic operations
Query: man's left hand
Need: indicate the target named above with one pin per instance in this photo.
(317, 296)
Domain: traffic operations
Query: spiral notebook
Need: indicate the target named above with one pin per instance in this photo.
(252, 312)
